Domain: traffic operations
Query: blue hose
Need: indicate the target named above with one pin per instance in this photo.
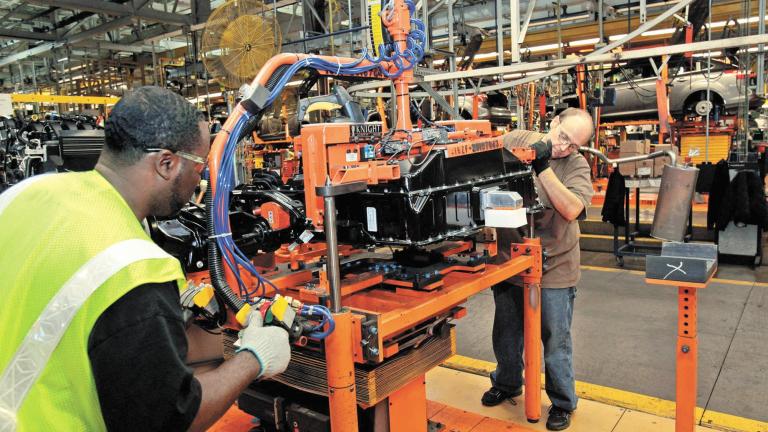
(233, 257)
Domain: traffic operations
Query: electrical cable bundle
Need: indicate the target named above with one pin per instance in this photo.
(326, 318)
(404, 60)
(225, 182)
(232, 256)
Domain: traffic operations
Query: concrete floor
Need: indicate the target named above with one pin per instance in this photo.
(451, 388)
(624, 335)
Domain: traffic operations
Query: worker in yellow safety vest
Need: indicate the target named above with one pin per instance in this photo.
(91, 329)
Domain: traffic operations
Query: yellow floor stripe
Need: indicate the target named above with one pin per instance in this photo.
(639, 272)
(621, 238)
(625, 399)
(642, 221)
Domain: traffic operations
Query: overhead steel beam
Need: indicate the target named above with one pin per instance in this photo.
(170, 34)
(547, 65)
(528, 15)
(40, 49)
(11, 12)
(437, 97)
(99, 29)
(306, 4)
(19, 34)
(138, 4)
(117, 9)
(88, 34)
(102, 45)
(437, 6)
(607, 48)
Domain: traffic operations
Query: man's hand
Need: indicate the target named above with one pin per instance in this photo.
(221, 386)
(543, 155)
(269, 344)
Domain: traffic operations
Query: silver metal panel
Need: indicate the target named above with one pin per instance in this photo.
(673, 206)
(735, 240)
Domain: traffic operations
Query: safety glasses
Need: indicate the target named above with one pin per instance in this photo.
(200, 161)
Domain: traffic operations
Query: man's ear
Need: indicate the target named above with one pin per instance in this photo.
(554, 123)
(165, 164)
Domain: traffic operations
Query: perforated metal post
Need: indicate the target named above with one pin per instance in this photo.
(687, 362)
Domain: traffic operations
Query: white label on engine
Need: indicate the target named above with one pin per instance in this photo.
(306, 236)
(352, 157)
(505, 218)
(371, 217)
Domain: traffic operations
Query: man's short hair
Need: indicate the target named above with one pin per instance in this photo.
(151, 117)
(577, 112)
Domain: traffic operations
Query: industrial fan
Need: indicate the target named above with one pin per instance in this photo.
(239, 37)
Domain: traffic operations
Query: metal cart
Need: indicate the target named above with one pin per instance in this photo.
(741, 242)
(630, 246)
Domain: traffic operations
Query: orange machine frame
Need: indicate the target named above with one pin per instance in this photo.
(327, 161)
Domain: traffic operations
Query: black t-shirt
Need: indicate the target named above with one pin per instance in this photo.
(138, 349)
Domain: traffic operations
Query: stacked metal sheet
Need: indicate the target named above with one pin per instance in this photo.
(307, 370)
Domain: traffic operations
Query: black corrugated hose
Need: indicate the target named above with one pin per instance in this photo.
(218, 280)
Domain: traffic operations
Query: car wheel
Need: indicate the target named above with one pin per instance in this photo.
(703, 108)
(697, 104)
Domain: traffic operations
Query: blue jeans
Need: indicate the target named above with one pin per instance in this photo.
(556, 318)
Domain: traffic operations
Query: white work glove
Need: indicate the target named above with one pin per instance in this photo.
(268, 344)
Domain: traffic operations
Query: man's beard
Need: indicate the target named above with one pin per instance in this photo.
(177, 200)
(171, 206)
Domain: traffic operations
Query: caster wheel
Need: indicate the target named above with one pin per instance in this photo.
(620, 261)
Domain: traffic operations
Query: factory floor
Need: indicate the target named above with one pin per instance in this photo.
(451, 405)
(624, 336)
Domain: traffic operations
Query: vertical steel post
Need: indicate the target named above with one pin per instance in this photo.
(600, 20)
(425, 19)
(709, 74)
(558, 11)
(332, 243)
(351, 34)
(760, 51)
(500, 32)
(452, 58)
(514, 29)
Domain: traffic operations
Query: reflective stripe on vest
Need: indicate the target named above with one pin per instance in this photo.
(9, 195)
(30, 359)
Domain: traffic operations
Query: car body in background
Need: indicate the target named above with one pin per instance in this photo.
(492, 106)
(635, 93)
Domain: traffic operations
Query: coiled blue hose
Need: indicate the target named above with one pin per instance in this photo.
(233, 257)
